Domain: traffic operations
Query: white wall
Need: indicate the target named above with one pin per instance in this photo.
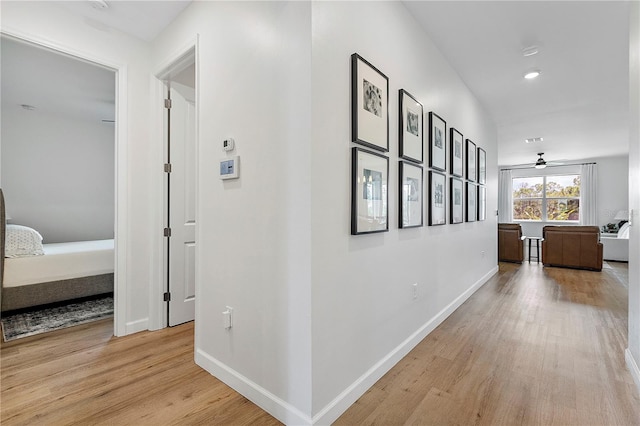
(633, 353)
(253, 70)
(275, 244)
(613, 188)
(52, 25)
(364, 316)
(58, 174)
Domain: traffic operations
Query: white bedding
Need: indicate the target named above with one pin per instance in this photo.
(61, 261)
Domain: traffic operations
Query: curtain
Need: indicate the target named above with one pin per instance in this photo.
(589, 194)
(505, 197)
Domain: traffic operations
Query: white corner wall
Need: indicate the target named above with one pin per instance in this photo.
(253, 71)
(364, 316)
(52, 25)
(633, 352)
(58, 174)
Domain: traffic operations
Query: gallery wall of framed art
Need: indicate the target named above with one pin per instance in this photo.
(419, 134)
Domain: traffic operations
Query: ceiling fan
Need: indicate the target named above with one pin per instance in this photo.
(540, 163)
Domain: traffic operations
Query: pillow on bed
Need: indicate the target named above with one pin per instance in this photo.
(22, 241)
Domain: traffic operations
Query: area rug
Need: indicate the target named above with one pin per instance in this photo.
(24, 324)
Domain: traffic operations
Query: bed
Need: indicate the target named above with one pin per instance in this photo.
(50, 273)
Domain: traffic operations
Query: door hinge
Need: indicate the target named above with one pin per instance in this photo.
(167, 297)
(167, 168)
(167, 103)
(167, 232)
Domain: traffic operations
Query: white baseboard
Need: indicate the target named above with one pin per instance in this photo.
(633, 367)
(342, 402)
(136, 326)
(272, 404)
(290, 415)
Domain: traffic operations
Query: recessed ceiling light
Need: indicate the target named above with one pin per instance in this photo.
(533, 140)
(530, 51)
(28, 107)
(99, 4)
(530, 75)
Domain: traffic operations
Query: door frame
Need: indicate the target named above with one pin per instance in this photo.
(121, 218)
(174, 62)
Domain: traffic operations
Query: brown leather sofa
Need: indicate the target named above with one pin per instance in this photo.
(510, 242)
(572, 247)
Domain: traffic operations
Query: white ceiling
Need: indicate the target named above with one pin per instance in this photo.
(144, 19)
(579, 104)
(55, 83)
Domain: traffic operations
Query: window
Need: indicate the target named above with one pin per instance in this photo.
(547, 198)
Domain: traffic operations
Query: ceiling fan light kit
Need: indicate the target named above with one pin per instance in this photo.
(540, 164)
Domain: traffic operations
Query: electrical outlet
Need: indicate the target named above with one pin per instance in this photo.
(415, 291)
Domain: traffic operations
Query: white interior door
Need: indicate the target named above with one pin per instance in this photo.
(182, 204)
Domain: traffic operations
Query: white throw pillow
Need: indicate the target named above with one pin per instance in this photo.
(22, 241)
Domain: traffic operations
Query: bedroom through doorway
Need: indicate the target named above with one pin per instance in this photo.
(58, 176)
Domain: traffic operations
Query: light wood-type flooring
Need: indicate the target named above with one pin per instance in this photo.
(534, 346)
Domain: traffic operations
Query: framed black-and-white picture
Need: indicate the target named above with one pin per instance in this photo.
(437, 142)
(437, 197)
(411, 128)
(369, 105)
(472, 202)
(369, 195)
(411, 190)
(457, 166)
(472, 173)
(482, 166)
(456, 209)
(482, 202)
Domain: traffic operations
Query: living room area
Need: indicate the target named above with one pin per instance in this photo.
(560, 191)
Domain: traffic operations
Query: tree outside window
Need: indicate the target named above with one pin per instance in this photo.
(547, 198)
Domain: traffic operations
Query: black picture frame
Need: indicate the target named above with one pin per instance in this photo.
(411, 190)
(437, 198)
(369, 105)
(472, 173)
(482, 202)
(437, 142)
(369, 192)
(457, 152)
(482, 166)
(456, 205)
(410, 128)
(472, 203)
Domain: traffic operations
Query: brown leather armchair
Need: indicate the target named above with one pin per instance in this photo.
(572, 247)
(510, 242)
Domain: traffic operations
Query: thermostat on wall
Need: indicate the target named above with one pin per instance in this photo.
(229, 168)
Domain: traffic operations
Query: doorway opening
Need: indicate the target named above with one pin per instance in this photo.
(179, 201)
(59, 174)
